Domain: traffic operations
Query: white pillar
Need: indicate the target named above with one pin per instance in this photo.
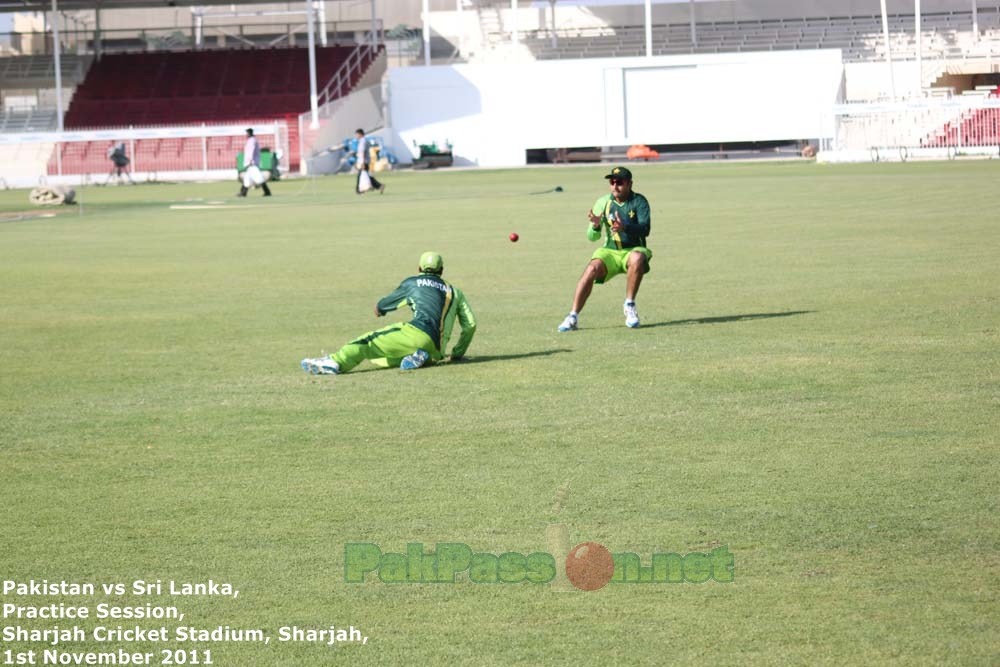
(58, 64)
(514, 36)
(461, 28)
(920, 47)
(321, 9)
(649, 28)
(888, 50)
(313, 99)
(975, 22)
(204, 149)
(555, 40)
(694, 32)
(199, 29)
(374, 23)
(427, 33)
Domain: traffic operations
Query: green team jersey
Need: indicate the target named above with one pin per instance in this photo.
(435, 304)
(634, 213)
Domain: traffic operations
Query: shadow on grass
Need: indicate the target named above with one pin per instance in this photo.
(721, 319)
(368, 368)
(505, 357)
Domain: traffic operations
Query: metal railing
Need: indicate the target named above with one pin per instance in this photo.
(28, 120)
(23, 68)
(355, 64)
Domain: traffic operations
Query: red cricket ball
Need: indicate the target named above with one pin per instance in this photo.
(589, 566)
(514, 237)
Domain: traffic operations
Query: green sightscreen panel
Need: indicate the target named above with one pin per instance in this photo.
(266, 160)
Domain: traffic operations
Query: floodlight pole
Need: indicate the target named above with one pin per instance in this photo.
(555, 40)
(461, 30)
(888, 50)
(649, 28)
(97, 31)
(920, 55)
(374, 28)
(313, 99)
(58, 64)
(197, 25)
(975, 23)
(426, 15)
(515, 37)
(321, 10)
(694, 31)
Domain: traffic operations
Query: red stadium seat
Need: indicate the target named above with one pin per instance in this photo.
(173, 88)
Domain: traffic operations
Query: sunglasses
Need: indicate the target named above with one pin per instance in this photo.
(617, 181)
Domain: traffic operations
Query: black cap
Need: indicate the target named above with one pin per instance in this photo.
(620, 172)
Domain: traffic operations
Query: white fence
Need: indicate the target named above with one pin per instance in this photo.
(923, 129)
(196, 152)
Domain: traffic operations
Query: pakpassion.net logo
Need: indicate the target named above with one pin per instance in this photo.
(588, 566)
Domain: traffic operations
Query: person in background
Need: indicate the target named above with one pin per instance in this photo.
(363, 165)
(252, 175)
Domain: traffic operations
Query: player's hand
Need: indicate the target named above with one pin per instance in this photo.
(453, 358)
(595, 220)
(378, 313)
(616, 223)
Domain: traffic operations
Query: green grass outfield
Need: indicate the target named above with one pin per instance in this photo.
(815, 386)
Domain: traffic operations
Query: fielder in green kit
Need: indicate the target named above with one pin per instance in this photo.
(436, 305)
(623, 217)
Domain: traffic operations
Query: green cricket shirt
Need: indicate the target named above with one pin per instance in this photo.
(435, 305)
(634, 213)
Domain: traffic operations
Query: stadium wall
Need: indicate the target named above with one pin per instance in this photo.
(492, 113)
(870, 81)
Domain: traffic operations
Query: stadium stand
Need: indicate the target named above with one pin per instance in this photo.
(978, 127)
(33, 120)
(40, 71)
(214, 87)
(28, 74)
(198, 86)
(944, 35)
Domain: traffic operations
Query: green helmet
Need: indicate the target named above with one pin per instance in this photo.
(431, 262)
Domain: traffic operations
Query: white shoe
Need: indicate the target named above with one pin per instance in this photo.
(631, 316)
(414, 361)
(569, 324)
(321, 366)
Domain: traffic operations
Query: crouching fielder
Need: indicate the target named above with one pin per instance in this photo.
(623, 216)
(436, 305)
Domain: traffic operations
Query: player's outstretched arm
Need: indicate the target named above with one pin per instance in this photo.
(467, 320)
(392, 301)
(594, 231)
